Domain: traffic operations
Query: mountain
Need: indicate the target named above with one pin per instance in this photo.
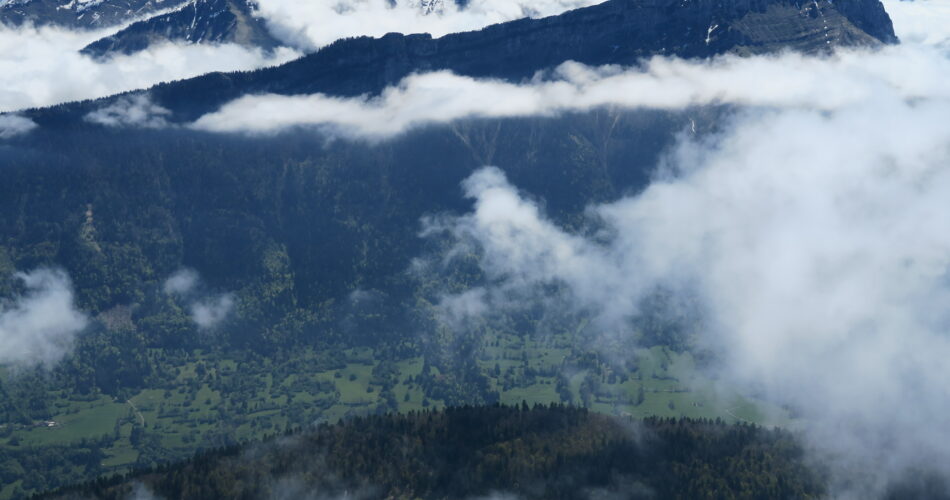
(615, 32)
(314, 239)
(548, 453)
(86, 14)
(201, 21)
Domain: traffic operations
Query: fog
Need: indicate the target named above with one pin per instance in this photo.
(39, 326)
(208, 309)
(788, 80)
(812, 233)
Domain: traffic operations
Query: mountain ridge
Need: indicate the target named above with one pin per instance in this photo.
(82, 14)
(621, 32)
(202, 21)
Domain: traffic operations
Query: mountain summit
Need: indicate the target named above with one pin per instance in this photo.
(620, 32)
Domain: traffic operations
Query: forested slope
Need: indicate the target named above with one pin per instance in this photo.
(551, 452)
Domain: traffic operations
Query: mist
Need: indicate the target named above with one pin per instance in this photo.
(811, 233)
(313, 24)
(43, 67)
(207, 309)
(15, 125)
(39, 326)
(828, 83)
(130, 111)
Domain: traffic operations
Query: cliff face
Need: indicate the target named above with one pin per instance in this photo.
(79, 13)
(615, 32)
(204, 21)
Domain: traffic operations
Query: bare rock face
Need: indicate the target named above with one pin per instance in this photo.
(203, 21)
(80, 13)
(429, 6)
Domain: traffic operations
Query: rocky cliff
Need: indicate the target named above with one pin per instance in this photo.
(204, 21)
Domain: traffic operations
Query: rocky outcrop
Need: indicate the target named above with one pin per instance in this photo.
(204, 21)
(79, 13)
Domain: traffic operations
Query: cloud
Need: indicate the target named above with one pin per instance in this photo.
(817, 243)
(182, 282)
(208, 310)
(39, 327)
(131, 111)
(313, 24)
(920, 21)
(14, 125)
(211, 312)
(42, 66)
(828, 83)
(141, 492)
(810, 232)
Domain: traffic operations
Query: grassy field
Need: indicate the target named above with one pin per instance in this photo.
(215, 401)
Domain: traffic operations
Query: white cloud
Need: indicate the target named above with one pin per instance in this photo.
(788, 80)
(14, 125)
(211, 312)
(920, 21)
(818, 243)
(40, 326)
(812, 231)
(42, 66)
(131, 111)
(181, 282)
(208, 310)
(316, 23)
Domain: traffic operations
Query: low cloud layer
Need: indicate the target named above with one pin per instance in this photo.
(313, 24)
(42, 66)
(830, 83)
(131, 111)
(39, 327)
(208, 310)
(916, 69)
(212, 311)
(817, 242)
(920, 21)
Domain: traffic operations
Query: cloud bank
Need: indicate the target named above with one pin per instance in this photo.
(916, 69)
(313, 24)
(39, 327)
(42, 66)
(811, 232)
(788, 81)
(817, 243)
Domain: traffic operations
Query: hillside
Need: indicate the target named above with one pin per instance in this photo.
(232, 287)
(541, 453)
(203, 21)
(616, 32)
(83, 14)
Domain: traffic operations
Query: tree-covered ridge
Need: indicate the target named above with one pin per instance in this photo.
(544, 452)
(317, 240)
